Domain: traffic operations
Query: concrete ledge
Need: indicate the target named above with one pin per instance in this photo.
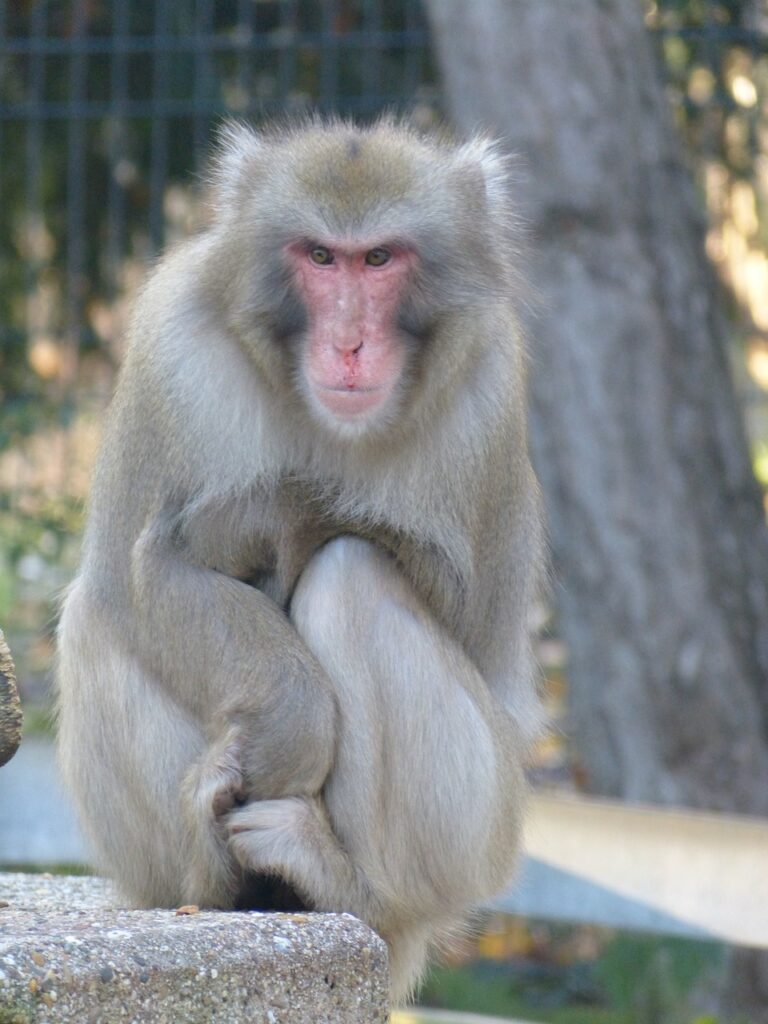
(68, 954)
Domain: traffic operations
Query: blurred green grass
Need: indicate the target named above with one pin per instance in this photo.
(632, 979)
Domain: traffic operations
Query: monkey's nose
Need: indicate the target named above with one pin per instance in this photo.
(348, 346)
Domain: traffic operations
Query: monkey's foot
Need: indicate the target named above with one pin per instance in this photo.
(292, 838)
(267, 834)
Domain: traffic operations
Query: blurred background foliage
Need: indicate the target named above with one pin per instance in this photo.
(716, 62)
(565, 974)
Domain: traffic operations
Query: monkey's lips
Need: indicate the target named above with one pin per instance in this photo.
(348, 402)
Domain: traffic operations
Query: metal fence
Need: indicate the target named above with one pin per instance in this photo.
(103, 106)
(107, 106)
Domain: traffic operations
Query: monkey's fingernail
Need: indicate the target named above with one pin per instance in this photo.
(190, 908)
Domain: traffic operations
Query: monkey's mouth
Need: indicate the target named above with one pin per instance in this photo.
(352, 400)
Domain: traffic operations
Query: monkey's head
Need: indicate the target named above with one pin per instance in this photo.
(345, 249)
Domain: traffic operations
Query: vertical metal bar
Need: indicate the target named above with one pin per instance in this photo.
(3, 37)
(413, 53)
(289, 56)
(755, 117)
(33, 152)
(329, 63)
(713, 47)
(244, 57)
(372, 60)
(117, 149)
(158, 170)
(15, 489)
(76, 189)
(203, 78)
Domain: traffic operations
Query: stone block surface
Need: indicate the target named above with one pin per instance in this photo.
(68, 952)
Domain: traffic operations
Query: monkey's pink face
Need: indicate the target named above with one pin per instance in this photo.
(354, 356)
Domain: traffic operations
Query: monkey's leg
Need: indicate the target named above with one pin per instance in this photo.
(424, 796)
(187, 693)
(124, 748)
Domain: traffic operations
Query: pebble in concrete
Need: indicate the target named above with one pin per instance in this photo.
(68, 953)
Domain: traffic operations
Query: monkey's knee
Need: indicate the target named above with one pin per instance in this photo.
(345, 558)
(341, 575)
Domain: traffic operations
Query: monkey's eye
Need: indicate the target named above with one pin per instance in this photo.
(320, 255)
(378, 257)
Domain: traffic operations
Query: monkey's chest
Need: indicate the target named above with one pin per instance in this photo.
(304, 533)
(268, 539)
(302, 520)
(427, 568)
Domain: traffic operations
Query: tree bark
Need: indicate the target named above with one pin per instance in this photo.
(659, 540)
(10, 705)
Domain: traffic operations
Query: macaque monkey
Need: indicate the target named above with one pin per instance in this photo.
(295, 669)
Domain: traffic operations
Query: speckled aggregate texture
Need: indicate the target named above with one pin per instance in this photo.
(68, 953)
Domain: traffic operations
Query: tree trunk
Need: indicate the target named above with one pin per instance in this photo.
(659, 540)
(10, 705)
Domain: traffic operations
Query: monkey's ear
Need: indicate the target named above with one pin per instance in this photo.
(239, 152)
(486, 158)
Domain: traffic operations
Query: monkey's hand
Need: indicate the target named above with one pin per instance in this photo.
(293, 838)
(211, 789)
(214, 785)
(284, 836)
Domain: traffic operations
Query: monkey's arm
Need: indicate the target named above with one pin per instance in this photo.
(510, 574)
(231, 660)
(231, 657)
